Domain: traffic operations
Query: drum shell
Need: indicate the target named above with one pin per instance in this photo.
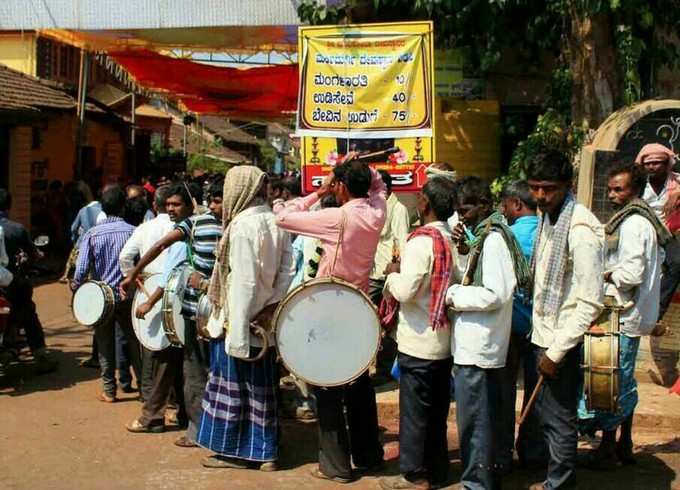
(109, 302)
(372, 326)
(174, 291)
(154, 317)
(601, 364)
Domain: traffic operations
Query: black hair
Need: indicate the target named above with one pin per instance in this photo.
(550, 165)
(135, 210)
(216, 189)
(356, 176)
(292, 185)
(196, 191)
(519, 189)
(441, 194)
(638, 176)
(387, 179)
(472, 189)
(180, 189)
(113, 200)
(5, 199)
(161, 196)
(329, 201)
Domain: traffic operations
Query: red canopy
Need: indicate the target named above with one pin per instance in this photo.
(264, 92)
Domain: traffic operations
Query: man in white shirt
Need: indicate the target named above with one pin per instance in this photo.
(419, 283)
(481, 334)
(393, 236)
(164, 367)
(632, 274)
(568, 284)
(253, 271)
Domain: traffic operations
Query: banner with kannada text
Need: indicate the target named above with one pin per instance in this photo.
(367, 88)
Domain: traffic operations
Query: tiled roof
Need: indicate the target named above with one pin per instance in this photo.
(19, 92)
(194, 145)
(221, 127)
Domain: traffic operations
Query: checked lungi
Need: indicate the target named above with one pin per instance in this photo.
(239, 417)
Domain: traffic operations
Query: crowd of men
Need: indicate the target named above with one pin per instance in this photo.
(478, 293)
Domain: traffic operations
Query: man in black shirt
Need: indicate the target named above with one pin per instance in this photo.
(20, 291)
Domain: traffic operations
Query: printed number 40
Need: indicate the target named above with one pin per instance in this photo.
(399, 115)
(400, 97)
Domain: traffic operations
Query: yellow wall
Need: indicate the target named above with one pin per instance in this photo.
(18, 51)
(468, 136)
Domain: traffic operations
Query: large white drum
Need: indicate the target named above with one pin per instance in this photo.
(327, 332)
(92, 303)
(171, 310)
(149, 330)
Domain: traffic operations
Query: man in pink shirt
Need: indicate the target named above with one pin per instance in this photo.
(352, 231)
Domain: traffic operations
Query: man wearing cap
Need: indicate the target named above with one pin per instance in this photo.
(663, 184)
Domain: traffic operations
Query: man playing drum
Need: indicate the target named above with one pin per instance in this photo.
(99, 251)
(254, 269)
(349, 236)
(568, 286)
(632, 273)
(419, 283)
(200, 233)
(167, 363)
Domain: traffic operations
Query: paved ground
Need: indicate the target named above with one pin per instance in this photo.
(54, 434)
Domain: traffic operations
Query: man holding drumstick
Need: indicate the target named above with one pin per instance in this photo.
(349, 236)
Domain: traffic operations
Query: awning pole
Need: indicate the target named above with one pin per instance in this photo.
(82, 93)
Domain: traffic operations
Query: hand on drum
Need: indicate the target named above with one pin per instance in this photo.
(547, 367)
(143, 309)
(124, 286)
(264, 317)
(195, 280)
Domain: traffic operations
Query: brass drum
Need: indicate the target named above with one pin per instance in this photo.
(601, 360)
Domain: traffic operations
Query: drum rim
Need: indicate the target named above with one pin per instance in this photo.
(135, 320)
(202, 326)
(306, 285)
(168, 312)
(107, 308)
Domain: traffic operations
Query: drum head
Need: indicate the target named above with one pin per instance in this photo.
(150, 331)
(327, 333)
(89, 303)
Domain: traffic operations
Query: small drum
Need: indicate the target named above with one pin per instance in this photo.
(601, 359)
(149, 330)
(327, 332)
(207, 325)
(171, 309)
(93, 303)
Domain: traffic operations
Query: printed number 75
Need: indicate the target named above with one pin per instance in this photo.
(399, 115)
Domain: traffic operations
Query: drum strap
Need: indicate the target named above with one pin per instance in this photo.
(341, 234)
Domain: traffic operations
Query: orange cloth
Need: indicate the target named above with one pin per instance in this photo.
(654, 152)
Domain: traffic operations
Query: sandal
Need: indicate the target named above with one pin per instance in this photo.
(317, 473)
(138, 428)
(184, 441)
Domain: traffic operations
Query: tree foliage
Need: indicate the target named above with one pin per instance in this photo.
(606, 52)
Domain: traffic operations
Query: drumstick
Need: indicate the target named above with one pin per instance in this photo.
(140, 284)
(527, 409)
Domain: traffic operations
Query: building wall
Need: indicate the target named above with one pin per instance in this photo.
(468, 136)
(20, 174)
(18, 51)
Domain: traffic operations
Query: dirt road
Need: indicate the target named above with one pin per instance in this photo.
(55, 434)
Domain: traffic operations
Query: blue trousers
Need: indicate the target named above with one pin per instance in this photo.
(477, 401)
(556, 405)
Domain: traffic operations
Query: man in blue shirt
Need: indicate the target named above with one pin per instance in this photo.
(519, 208)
